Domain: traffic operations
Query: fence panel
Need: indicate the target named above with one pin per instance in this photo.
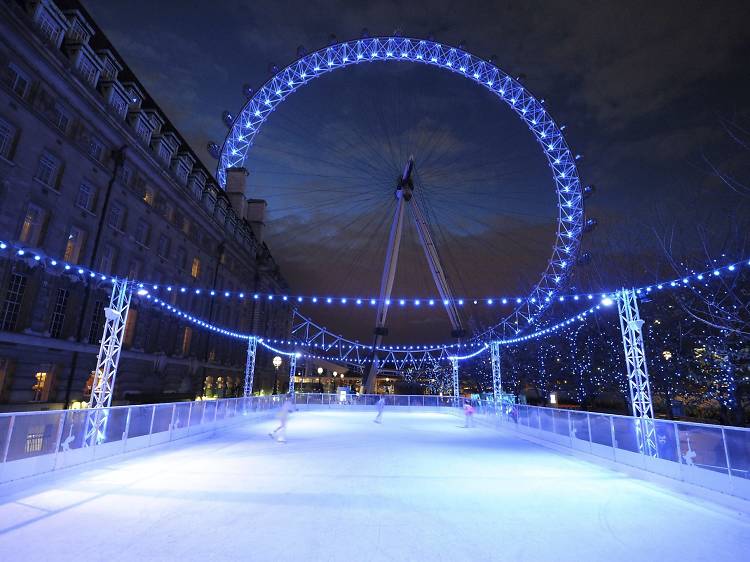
(601, 436)
(703, 456)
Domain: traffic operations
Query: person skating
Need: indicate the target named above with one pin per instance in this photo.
(286, 407)
(468, 414)
(380, 405)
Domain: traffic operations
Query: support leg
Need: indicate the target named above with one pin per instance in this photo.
(454, 367)
(631, 327)
(116, 316)
(497, 384)
(292, 372)
(252, 347)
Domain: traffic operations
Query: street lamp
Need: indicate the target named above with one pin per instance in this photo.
(276, 363)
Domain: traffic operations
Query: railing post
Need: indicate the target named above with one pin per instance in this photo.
(127, 430)
(679, 450)
(554, 424)
(190, 412)
(726, 456)
(612, 436)
(570, 430)
(588, 423)
(171, 423)
(151, 425)
(58, 437)
(6, 448)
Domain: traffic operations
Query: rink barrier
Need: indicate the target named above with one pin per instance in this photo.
(33, 443)
(368, 401)
(709, 456)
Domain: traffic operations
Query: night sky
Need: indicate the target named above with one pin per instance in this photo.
(646, 90)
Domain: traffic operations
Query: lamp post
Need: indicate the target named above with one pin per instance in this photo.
(320, 374)
(276, 363)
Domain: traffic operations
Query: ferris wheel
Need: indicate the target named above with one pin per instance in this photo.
(570, 223)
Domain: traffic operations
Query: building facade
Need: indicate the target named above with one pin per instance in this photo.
(93, 173)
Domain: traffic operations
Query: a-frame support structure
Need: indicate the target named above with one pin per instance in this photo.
(407, 198)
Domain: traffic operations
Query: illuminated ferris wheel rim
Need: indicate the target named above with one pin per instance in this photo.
(246, 125)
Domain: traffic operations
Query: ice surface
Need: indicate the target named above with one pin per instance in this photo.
(417, 487)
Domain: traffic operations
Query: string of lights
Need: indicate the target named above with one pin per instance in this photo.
(36, 256)
(156, 288)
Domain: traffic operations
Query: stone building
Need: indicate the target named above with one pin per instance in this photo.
(93, 173)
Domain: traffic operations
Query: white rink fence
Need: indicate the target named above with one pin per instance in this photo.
(711, 456)
(33, 443)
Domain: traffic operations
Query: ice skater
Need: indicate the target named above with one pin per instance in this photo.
(468, 414)
(380, 405)
(279, 434)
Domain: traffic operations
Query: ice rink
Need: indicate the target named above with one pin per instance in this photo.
(417, 487)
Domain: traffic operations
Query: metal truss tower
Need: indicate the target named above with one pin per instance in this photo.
(407, 197)
(497, 381)
(631, 327)
(454, 370)
(292, 371)
(252, 348)
(116, 315)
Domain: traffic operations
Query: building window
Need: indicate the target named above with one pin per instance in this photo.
(143, 130)
(85, 197)
(58, 313)
(77, 33)
(12, 304)
(7, 137)
(181, 258)
(182, 173)
(195, 271)
(74, 245)
(134, 269)
(43, 381)
(116, 216)
(134, 96)
(18, 81)
(60, 118)
(107, 260)
(119, 105)
(164, 153)
(48, 170)
(33, 225)
(187, 337)
(148, 196)
(164, 244)
(142, 232)
(88, 70)
(169, 212)
(89, 386)
(110, 70)
(126, 175)
(186, 226)
(208, 387)
(95, 148)
(129, 336)
(48, 28)
(97, 323)
(41, 392)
